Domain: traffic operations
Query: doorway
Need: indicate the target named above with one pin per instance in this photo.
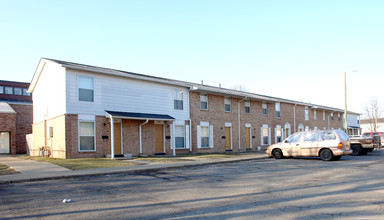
(5, 143)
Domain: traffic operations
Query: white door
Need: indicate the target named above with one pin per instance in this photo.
(4, 143)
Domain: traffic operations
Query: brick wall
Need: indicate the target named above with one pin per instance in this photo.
(24, 114)
(8, 124)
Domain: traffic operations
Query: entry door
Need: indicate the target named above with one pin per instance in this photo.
(117, 137)
(4, 143)
(159, 138)
(248, 137)
(228, 138)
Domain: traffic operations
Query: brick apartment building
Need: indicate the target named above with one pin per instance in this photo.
(89, 111)
(15, 117)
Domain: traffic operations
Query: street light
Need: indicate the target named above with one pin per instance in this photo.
(345, 100)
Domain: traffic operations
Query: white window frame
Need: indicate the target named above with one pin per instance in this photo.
(201, 96)
(94, 134)
(278, 109)
(5, 90)
(78, 88)
(278, 127)
(227, 102)
(264, 106)
(306, 112)
(332, 118)
(247, 105)
(315, 114)
(268, 137)
(1, 89)
(185, 131)
(177, 94)
(210, 135)
(338, 116)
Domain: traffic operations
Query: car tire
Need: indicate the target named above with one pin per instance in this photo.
(277, 154)
(326, 155)
(356, 150)
(336, 157)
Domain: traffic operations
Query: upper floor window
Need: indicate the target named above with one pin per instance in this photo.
(1, 89)
(227, 104)
(332, 116)
(306, 114)
(178, 99)
(265, 108)
(247, 106)
(358, 120)
(277, 107)
(324, 115)
(203, 101)
(85, 85)
(18, 91)
(315, 114)
(26, 93)
(338, 116)
(9, 90)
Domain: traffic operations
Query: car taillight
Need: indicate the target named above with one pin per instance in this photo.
(340, 146)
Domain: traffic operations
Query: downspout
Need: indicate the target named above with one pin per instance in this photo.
(190, 134)
(173, 140)
(112, 139)
(238, 117)
(294, 118)
(141, 144)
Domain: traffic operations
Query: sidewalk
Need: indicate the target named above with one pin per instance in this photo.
(34, 171)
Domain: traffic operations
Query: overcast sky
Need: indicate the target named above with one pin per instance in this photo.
(291, 49)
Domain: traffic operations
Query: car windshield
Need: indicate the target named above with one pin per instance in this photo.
(366, 135)
(294, 138)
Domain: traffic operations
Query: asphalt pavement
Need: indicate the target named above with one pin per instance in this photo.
(30, 170)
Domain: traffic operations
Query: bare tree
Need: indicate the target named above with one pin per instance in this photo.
(372, 112)
(240, 87)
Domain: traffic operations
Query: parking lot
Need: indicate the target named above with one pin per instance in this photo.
(299, 188)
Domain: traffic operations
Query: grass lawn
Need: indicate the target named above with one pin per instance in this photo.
(82, 163)
(6, 170)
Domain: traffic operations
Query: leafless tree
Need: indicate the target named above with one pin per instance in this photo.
(372, 112)
(240, 88)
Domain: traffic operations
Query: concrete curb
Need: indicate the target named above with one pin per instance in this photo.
(131, 170)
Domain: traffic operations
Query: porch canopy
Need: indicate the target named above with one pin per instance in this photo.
(135, 116)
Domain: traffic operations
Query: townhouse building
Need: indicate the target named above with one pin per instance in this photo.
(353, 123)
(88, 111)
(15, 117)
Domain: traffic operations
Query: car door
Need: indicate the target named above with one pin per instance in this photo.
(292, 144)
(310, 144)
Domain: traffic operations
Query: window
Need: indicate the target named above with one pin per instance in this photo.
(203, 101)
(179, 137)
(204, 136)
(315, 114)
(311, 136)
(18, 91)
(306, 114)
(277, 107)
(294, 138)
(338, 116)
(324, 115)
(358, 120)
(85, 85)
(25, 93)
(9, 90)
(87, 136)
(227, 104)
(247, 107)
(265, 108)
(178, 99)
(265, 135)
(328, 135)
(332, 116)
(278, 134)
(1, 89)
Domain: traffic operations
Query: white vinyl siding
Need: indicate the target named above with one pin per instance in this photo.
(127, 95)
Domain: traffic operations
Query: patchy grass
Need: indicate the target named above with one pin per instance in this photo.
(6, 170)
(82, 163)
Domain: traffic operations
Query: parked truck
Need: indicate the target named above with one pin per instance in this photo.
(363, 145)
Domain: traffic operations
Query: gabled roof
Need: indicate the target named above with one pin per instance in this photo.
(191, 86)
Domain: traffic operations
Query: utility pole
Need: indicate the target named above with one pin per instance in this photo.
(345, 103)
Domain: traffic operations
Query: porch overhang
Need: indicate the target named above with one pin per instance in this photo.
(139, 116)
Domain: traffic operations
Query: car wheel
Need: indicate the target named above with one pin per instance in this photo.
(277, 154)
(356, 150)
(326, 155)
(336, 157)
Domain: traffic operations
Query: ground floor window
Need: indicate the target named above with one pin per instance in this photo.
(278, 134)
(87, 136)
(180, 137)
(204, 135)
(265, 135)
